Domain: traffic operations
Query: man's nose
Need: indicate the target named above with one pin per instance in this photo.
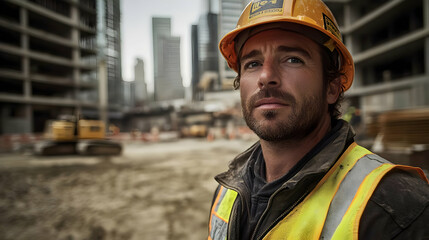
(269, 77)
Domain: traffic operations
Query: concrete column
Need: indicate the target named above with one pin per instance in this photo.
(421, 98)
(426, 26)
(28, 108)
(425, 13)
(25, 63)
(348, 15)
(75, 52)
(422, 88)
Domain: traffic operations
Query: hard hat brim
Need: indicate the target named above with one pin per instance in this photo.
(228, 47)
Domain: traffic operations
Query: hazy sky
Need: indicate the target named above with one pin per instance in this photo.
(137, 33)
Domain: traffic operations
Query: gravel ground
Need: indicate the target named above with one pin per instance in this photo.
(152, 191)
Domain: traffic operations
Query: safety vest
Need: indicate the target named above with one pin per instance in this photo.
(331, 211)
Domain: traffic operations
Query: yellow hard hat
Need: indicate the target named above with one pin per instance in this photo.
(311, 18)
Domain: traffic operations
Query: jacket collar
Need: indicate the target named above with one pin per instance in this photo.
(319, 163)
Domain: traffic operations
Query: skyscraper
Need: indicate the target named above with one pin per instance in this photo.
(205, 60)
(208, 45)
(109, 40)
(166, 55)
(141, 95)
(129, 95)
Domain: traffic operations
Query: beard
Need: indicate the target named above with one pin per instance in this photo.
(301, 121)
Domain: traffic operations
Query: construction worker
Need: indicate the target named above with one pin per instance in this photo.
(306, 178)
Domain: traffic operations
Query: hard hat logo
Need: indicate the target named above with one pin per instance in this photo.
(263, 8)
(331, 26)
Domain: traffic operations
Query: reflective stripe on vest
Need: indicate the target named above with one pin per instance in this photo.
(219, 215)
(306, 220)
(348, 188)
(349, 225)
(348, 185)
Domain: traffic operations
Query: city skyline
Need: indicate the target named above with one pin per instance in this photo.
(137, 34)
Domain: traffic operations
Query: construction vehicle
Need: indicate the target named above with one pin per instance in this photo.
(195, 130)
(69, 135)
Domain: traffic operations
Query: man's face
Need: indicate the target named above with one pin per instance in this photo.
(281, 85)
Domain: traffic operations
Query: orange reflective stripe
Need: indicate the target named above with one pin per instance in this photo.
(220, 212)
(214, 206)
(219, 216)
(419, 172)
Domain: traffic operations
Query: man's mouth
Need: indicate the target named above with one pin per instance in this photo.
(270, 103)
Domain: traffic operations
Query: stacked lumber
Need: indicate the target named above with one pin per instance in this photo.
(405, 128)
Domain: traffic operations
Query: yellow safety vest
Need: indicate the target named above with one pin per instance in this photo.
(331, 211)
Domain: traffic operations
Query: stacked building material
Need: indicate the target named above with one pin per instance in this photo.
(405, 128)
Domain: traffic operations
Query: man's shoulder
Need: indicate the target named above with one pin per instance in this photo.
(402, 194)
(398, 208)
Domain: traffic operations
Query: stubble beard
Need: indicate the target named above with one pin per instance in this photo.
(301, 121)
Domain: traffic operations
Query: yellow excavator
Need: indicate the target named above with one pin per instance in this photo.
(70, 135)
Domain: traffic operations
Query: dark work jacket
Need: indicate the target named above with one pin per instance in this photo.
(398, 209)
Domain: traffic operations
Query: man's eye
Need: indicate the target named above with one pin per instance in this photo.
(251, 65)
(294, 60)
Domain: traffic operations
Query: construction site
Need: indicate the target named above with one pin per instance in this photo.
(81, 159)
(152, 191)
(159, 187)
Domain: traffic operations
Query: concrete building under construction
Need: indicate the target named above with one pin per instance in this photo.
(389, 100)
(49, 62)
(389, 41)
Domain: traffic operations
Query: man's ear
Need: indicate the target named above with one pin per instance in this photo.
(333, 90)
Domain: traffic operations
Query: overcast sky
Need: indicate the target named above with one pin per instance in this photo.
(137, 33)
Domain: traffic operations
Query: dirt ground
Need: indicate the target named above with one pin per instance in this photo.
(152, 191)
